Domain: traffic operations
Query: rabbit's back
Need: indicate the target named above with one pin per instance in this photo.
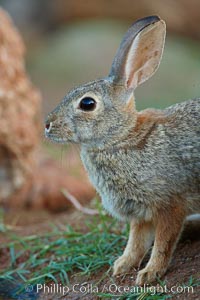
(183, 132)
(186, 114)
(133, 181)
(184, 117)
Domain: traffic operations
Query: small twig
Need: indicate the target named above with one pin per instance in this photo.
(77, 204)
(5, 227)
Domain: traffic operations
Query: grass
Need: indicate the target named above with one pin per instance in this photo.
(56, 255)
(61, 252)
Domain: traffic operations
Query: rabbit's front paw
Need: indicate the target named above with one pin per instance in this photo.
(122, 265)
(149, 275)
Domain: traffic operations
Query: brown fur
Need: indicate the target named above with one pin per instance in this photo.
(168, 229)
(146, 124)
(136, 247)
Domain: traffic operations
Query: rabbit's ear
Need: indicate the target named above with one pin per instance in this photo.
(140, 52)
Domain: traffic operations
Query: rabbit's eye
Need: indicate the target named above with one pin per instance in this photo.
(87, 104)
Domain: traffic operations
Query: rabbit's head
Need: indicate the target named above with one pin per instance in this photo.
(103, 110)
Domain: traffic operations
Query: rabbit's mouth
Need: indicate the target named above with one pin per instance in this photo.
(56, 139)
(57, 134)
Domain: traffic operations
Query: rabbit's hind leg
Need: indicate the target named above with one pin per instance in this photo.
(140, 240)
(168, 228)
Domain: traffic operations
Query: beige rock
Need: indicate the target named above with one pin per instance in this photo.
(19, 112)
(26, 179)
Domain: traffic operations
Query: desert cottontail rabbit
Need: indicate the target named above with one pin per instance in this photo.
(145, 165)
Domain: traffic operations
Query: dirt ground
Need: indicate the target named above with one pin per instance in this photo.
(185, 262)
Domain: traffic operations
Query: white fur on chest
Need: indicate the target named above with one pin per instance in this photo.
(98, 180)
(119, 198)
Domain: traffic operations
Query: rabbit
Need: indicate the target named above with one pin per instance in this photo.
(145, 165)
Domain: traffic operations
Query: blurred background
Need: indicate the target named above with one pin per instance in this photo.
(69, 42)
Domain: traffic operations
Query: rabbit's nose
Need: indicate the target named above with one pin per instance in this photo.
(48, 127)
(49, 122)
